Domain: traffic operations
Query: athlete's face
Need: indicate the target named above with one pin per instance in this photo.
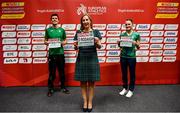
(54, 20)
(129, 25)
(86, 22)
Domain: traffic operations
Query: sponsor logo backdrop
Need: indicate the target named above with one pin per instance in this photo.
(23, 56)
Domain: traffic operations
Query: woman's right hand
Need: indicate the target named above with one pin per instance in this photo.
(75, 45)
(118, 42)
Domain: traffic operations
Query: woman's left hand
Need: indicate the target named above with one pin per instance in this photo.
(96, 39)
(97, 42)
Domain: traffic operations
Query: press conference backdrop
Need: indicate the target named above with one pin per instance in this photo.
(23, 56)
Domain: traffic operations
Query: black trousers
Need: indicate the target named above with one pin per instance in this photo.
(56, 61)
(128, 63)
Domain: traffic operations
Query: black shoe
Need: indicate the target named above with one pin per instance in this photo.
(66, 91)
(89, 109)
(85, 109)
(50, 93)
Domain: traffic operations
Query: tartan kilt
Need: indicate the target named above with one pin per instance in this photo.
(87, 67)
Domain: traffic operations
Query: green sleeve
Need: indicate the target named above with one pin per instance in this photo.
(97, 34)
(75, 37)
(138, 37)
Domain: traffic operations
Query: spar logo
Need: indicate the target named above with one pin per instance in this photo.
(113, 33)
(10, 60)
(99, 26)
(142, 59)
(113, 26)
(39, 60)
(143, 26)
(93, 10)
(171, 26)
(38, 41)
(25, 54)
(144, 40)
(157, 26)
(10, 54)
(24, 41)
(144, 46)
(8, 27)
(23, 27)
(169, 59)
(170, 40)
(156, 52)
(9, 41)
(24, 34)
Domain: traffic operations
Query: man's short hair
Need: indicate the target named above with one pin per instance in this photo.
(54, 15)
(129, 19)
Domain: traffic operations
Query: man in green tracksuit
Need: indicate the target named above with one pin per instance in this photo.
(55, 38)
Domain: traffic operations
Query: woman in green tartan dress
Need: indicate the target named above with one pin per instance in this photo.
(87, 69)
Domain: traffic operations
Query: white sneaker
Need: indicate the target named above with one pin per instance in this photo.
(123, 92)
(129, 94)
